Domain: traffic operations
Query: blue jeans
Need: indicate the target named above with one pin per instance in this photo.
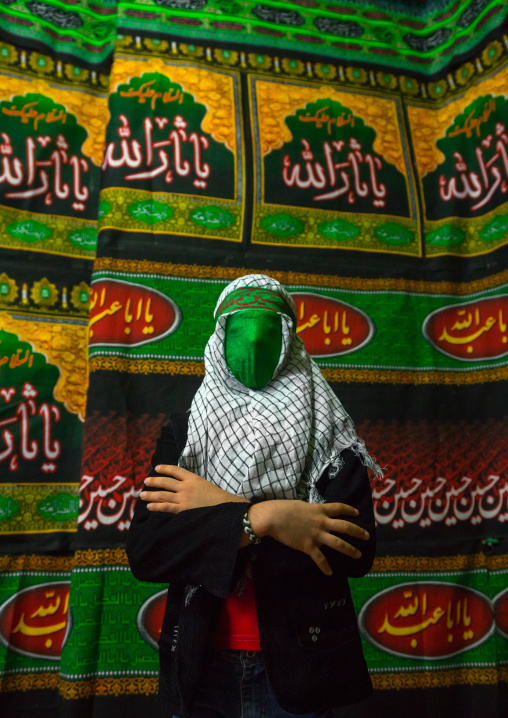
(234, 685)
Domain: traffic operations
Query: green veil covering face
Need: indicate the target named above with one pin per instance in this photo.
(252, 346)
(253, 333)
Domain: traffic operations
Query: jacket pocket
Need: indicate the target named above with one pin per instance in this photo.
(325, 624)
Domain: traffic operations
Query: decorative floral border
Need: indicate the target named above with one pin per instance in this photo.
(439, 679)
(195, 271)
(465, 562)
(339, 375)
(270, 62)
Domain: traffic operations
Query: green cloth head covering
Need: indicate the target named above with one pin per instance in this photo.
(252, 346)
(253, 334)
(255, 298)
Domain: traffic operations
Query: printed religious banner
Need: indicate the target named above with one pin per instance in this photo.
(162, 317)
(461, 151)
(332, 169)
(172, 163)
(430, 620)
(35, 621)
(50, 153)
(42, 402)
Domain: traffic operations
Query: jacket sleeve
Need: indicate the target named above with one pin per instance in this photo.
(195, 547)
(351, 486)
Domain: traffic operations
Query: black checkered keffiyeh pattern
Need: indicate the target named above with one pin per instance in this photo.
(270, 443)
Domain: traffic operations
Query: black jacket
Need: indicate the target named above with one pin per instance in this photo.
(199, 547)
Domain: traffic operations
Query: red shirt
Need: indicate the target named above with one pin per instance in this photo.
(237, 627)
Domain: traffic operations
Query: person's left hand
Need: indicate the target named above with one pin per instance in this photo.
(182, 490)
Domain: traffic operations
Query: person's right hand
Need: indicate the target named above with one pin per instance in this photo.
(306, 527)
(179, 490)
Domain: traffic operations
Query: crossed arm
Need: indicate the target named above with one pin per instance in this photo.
(297, 524)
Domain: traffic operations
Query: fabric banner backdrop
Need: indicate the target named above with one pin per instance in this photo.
(152, 151)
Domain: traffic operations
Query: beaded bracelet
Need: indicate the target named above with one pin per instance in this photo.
(248, 528)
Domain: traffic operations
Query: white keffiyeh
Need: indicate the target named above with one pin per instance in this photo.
(274, 442)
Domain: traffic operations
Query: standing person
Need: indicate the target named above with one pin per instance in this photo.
(257, 510)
